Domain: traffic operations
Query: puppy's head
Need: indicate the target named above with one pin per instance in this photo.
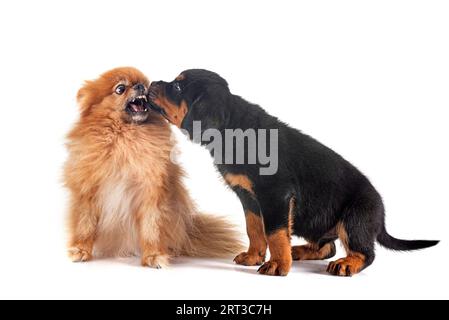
(195, 95)
(119, 93)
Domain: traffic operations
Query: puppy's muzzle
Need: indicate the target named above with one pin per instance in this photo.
(153, 95)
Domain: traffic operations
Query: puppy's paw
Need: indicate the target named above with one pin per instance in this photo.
(247, 259)
(79, 255)
(346, 267)
(275, 268)
(156, 261)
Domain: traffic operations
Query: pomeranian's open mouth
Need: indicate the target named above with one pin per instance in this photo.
(138, 109)
(138, 105)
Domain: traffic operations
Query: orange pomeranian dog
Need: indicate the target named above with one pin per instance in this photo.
(127, 196)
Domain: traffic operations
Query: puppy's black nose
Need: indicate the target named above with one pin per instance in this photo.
(140, 88)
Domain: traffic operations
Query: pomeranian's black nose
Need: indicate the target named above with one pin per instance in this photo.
(140, 88)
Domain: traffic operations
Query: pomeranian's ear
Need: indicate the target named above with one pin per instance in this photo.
(86, 97)
(83, 98)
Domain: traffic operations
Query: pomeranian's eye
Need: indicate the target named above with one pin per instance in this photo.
(120, 89)
(177, 87)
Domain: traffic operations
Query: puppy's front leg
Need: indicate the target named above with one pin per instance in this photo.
(153, 249)
(280, 251)
(276, 216)
(257, 242)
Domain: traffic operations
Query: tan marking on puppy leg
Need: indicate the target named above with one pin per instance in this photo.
(291, 216)
(281, 255)
(343, 236)
(352, 264)
(257, 242)
(239, 180)
(313, 252)
(348, 266)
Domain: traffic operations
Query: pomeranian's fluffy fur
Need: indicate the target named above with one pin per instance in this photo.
(126, 195)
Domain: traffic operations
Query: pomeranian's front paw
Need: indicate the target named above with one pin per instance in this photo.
(156, 261)
(79, 255)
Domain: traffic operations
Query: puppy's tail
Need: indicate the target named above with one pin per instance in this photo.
(212, 237)
(390, 242)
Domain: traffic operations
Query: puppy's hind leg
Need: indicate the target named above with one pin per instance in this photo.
(359, 256)
(314, 251)
(357, 232)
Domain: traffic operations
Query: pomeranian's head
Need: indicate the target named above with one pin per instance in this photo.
(116, 94)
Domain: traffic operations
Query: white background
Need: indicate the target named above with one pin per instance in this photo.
(367, 78)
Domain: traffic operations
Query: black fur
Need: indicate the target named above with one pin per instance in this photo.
(327, 189)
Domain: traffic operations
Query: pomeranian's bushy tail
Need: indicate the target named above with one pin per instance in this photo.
(213, 237)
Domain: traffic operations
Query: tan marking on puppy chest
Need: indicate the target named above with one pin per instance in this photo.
(240, 180)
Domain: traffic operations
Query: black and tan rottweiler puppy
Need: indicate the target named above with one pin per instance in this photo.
(314, 193)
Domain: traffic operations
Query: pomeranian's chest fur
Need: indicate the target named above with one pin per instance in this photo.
(117, 166)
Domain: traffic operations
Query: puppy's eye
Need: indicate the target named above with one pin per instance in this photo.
(120, 89)
(177, 87)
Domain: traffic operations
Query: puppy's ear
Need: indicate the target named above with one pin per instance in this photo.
(198, 98)
(210, 108)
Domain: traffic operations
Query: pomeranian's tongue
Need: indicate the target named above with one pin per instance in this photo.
(137, 108)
